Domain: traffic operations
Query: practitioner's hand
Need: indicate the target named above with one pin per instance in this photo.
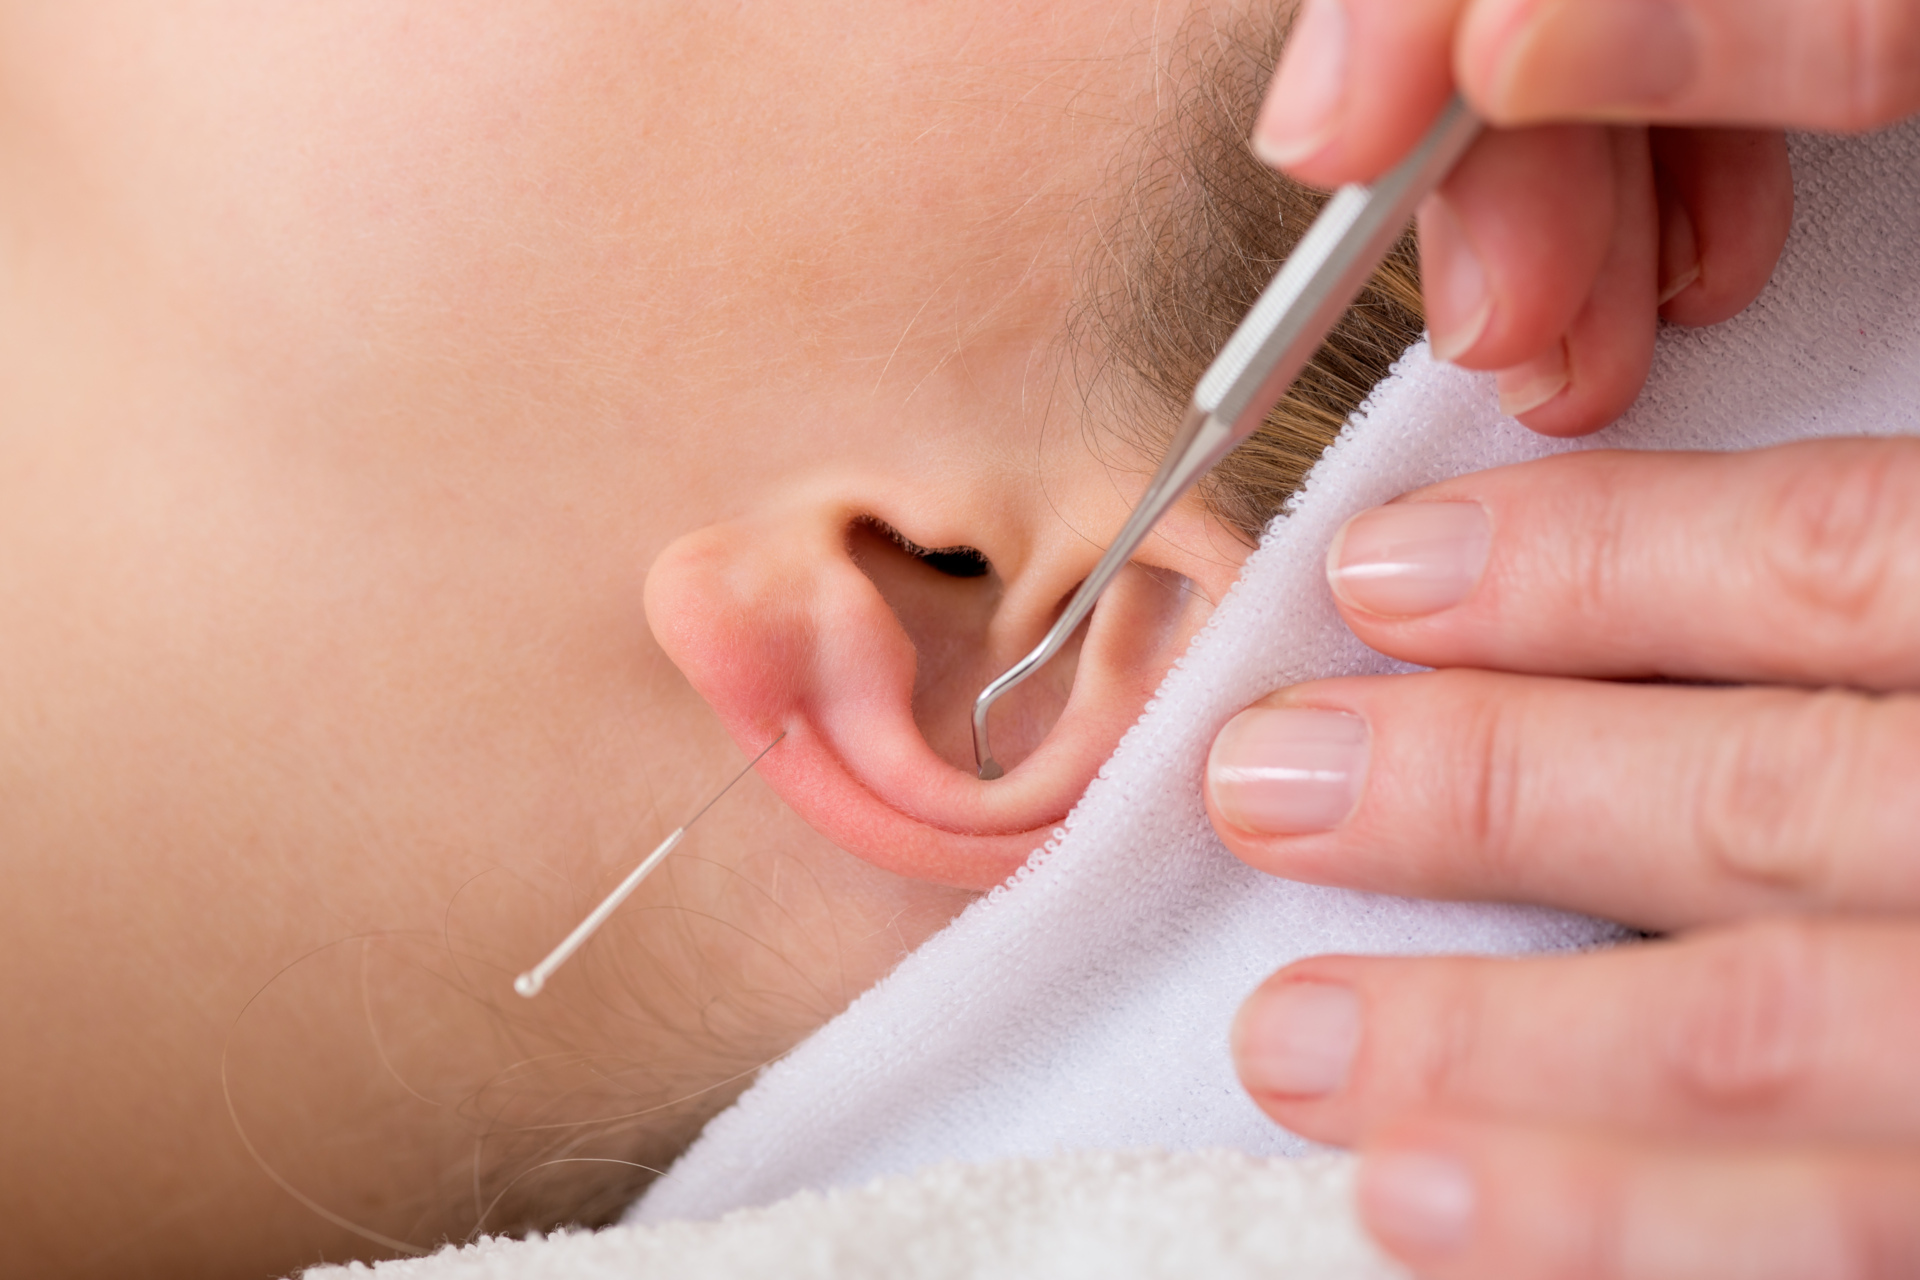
(1550, 249)
(1740, 1098)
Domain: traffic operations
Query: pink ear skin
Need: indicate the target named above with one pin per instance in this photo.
(775, 623)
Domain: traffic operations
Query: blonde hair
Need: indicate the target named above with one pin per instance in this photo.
(1203, 230)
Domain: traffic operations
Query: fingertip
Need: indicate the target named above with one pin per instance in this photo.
(1302, 112)
(1459, 302)
(1582, 409)
(1679, 244)
(1511, 243)
(1607, 351)
(1583, 382)
(1296, 1039)
(1592, 398)
(1726, 209)
(1359, 82)
(1533, 386)
(1275, 772)
(1672, 287)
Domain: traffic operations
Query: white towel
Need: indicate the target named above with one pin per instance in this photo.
(1086, 1004)
(1091, 1216)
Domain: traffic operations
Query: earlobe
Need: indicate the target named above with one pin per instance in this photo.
(777, 624)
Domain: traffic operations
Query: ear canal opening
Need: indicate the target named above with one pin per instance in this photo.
(957, 562)
(953, 562)
(944, 599)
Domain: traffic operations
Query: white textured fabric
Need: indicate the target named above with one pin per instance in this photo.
(1086, 1004)
(1088, 1216)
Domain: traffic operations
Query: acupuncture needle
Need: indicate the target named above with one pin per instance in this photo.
(1271, 345)
(529, 983)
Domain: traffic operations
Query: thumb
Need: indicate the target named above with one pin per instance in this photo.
(1809, 64)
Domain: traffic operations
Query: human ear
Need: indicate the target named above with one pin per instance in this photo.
(831, 621)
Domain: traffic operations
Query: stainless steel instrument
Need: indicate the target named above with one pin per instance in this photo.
(1282, 331)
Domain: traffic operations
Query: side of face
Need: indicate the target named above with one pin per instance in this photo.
(437, 441)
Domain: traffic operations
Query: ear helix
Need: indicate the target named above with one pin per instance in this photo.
(778, 627)
(866, 650)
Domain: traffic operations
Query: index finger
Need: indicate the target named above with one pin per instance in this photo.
(1358, 82)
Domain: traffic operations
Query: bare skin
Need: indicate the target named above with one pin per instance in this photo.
(358, 365)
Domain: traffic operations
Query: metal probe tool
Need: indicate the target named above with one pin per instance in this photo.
(529, 983)
(1281, 332)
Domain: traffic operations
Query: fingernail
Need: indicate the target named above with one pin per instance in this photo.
(1288, 770)
(1575, 57)
(1458, 304)
(1528, 386)
(1302, 109)
(1679, 252)
(1419, 1203)
(1410, 559)
(1679, 284)
(1298, 1038)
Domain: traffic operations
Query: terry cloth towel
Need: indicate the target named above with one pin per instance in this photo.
(1085, 1005)
(1090, 1216)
